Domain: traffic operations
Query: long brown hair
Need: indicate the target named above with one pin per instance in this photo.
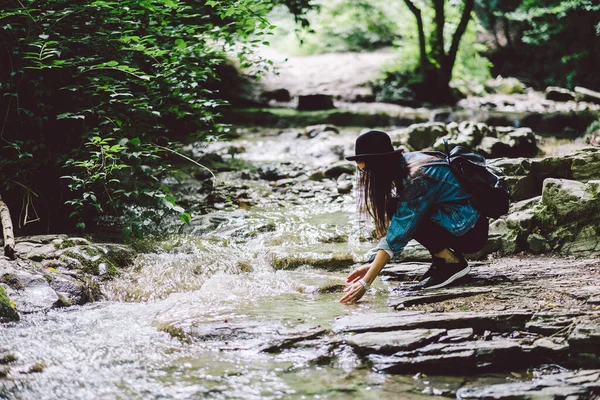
(380, 184)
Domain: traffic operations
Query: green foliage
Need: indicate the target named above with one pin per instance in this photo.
(593, 127)
(469, 74)
(471, 70)
(339, 26)
(94, 91)
(560, 41)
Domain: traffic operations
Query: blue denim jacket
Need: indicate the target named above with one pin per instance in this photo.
(434, 192)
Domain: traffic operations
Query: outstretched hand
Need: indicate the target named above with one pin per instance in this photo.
(353, 293)
(358, 273)
(355, 290)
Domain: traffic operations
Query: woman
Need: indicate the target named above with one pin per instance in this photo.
(432, 208)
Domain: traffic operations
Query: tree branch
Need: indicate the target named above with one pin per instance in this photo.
(460, 30)
(7, 230)
(422, 50)
(438, 42)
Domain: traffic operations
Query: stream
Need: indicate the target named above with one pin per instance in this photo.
(210, 314)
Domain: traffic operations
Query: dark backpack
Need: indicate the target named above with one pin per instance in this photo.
(486, 185)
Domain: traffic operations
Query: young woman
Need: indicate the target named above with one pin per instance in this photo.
(432, 208)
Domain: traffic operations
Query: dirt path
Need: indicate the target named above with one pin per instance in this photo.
(338, 74)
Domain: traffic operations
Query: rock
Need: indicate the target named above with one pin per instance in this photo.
(584, 94)
(405, 320)
(121, 255)
(282, 95)
(419, 136)
(512, 166)
(339, 168)
(570, 200)
(466, 357)
(504, 85)
(501, 238)
(406, 271)
(34, 251)
(286, 338)
(585, 165)
(492, 147)
(7, 308)
(313, 131)
(443, 115)
(559, 94)
(34, 294)
(526, 204)
(72, 291)
(436, 297)
(292, 258)
(585, 339)
(313, 102)
(521, 142)
(569, 215)
(570, 385)
(457, 335)
(344, 186)
(549, 323)
(90, 259)
(537, 244)
(270, 173)
(391, 342)
(593, 139)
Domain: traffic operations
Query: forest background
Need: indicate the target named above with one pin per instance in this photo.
(96, 97)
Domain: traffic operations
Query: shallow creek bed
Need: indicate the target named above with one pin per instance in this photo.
(244, 304)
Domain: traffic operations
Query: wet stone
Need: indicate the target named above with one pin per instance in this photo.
(466, 357)
(339, 168)
(571, 385)
(35, 295)
(391, 342)
(286, 338)
(70, 289)
(479, 321)
(34, 251)
(457, 335)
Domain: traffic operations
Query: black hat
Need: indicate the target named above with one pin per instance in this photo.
(373, 144)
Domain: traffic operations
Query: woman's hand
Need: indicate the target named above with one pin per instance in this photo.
(358, 274)
(353, 293)
(355, 290)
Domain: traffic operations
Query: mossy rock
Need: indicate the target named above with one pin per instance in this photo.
(318, 260)
(7, 308)
(90, 259)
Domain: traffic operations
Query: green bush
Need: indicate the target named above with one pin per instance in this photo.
(560, 42)
(93, 92)
(594, 126)
(338, 26)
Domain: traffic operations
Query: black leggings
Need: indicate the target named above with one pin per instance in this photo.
(435, 238)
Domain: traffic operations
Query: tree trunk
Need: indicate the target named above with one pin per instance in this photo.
(438, 52)
(423, 62)
(458, 34)
(506, 25)
(7, 230)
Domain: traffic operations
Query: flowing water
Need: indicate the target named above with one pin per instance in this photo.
(196, 319)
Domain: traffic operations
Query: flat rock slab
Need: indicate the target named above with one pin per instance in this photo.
(435, 296)
(585, 338)
(571, 385)
(479, 321)
(452, 358)
(391, 342)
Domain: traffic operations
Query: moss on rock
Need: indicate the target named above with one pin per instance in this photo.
(7, 308)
